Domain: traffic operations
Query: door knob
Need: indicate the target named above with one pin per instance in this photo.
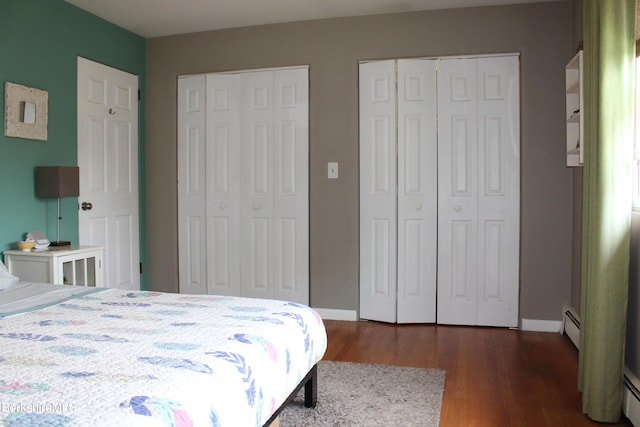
(457, 208)
(418, 206)
(256, 205)
(86, 206)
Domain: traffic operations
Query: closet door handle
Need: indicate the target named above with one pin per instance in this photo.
(457, 208)
(256, 205)
(418, 206)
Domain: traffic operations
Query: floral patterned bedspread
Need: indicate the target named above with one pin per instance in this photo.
(118, 358)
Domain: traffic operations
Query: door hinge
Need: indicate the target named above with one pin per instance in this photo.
(139, 96)
(140, 268)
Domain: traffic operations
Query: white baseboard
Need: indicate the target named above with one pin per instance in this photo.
(631, 386)
(527, 324)
(541, 325)
(333, 314)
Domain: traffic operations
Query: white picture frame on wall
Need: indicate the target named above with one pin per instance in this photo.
(25, 111)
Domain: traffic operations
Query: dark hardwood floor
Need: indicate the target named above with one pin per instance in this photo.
(495, 377)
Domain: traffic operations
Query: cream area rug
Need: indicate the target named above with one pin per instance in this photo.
(357, 394)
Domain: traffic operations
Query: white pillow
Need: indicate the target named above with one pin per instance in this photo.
(7, 279)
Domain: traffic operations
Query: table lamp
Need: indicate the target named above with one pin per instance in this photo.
(58, 181)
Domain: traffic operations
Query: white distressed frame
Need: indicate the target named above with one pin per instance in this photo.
(14, 124)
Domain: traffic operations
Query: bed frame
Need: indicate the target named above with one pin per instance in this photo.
(310, 384)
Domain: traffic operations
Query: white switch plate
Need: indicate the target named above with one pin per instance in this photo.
(332, 170)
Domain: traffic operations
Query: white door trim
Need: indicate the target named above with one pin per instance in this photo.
(250, 70)
(487, 55)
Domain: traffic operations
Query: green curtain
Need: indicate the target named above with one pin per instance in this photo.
(609, 72)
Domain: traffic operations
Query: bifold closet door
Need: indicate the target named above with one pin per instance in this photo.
(208, 184)
(274, 185)
(378, 220)
(221, 171)
(478, 191)
(243, 184)
(191, 185)
(398, 191)
(417, 191)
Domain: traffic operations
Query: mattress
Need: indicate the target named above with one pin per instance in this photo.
(112, 357)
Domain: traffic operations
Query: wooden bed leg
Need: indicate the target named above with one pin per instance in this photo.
(311, 389)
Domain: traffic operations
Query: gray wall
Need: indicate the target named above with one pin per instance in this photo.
(542, 33)
(577, 183)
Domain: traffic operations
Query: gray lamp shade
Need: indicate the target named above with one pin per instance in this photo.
(57, 181)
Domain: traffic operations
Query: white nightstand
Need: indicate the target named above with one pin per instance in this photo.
(75, 265)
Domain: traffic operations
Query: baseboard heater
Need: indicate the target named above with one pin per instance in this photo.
(631, 385)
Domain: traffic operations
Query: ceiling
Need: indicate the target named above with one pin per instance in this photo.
(154, 18)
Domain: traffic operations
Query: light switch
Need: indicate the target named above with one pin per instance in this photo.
(332, 170)
(28, 112)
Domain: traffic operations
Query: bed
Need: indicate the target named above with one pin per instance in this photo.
(104, 357)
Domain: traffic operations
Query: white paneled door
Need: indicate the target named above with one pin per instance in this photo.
(439, 203)
(191, 185)
(243, 184)
(478, 191)
(378, 220)
(457, 191)
(108, 161)
(417, 191)
(398, 170)
(221, 187)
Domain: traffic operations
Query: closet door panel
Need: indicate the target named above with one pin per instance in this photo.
(191, 185)
(499, 196)
(417, 191)
(291, 184)
(221, 158)
(256, 184)
(243, 184)
(457, 205)
(378, 221)
(457, 191)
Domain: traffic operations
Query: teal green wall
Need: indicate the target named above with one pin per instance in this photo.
(40, 41)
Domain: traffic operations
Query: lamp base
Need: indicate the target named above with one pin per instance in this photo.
(60, 243)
